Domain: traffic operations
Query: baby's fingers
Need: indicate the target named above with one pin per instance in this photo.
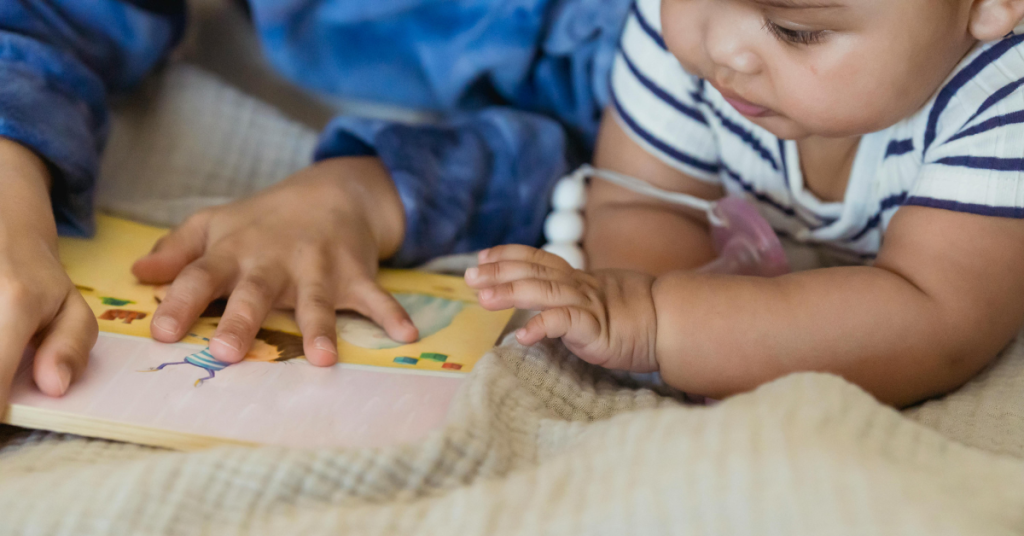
(487, 275)
(532, 294)
(577, 326)
(64, 350)
(515, 252)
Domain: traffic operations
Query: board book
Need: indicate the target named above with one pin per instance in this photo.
(178, 396)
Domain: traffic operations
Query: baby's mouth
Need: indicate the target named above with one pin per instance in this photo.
(748, 109)
(744, 106)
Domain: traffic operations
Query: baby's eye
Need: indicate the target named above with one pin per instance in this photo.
(794, 37)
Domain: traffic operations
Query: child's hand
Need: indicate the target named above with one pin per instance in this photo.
(606, 318)
(311, 243)
(38, 302)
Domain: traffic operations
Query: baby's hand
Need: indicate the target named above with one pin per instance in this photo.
(606, 317)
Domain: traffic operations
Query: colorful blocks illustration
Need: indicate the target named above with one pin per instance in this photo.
(440, 358)
(122, 314)
(452, 366)
(406, 360)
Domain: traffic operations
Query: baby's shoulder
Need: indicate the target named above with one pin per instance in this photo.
(982, 94)
(968, 142)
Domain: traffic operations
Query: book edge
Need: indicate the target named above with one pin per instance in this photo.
(65, 423)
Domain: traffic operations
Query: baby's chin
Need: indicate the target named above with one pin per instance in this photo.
(831, 119)
(786, 128)
(781, 126)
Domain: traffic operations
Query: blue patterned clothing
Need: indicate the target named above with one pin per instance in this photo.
(521, 82)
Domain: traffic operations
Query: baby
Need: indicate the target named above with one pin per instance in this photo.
(890, 132)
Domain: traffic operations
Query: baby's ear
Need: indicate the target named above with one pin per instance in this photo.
(993, 19)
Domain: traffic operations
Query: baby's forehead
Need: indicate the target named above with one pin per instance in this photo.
(857, 12)
(829, 6)
(806, 4)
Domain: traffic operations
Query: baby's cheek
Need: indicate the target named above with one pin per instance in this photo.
(683, 35)
(850, 95)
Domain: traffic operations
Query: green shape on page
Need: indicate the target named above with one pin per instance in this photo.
(431, 356)
(115, 302)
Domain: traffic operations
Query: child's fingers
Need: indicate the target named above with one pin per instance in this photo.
(195, 287)
(533, 294)
(16, 330)
(381, 307)
(571, 323)
(315, 314)
(490, 274)
(515, 252)
(64, 351)
(173, 252)
(249, 304)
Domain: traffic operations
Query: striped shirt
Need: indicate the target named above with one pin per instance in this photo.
(964, 151)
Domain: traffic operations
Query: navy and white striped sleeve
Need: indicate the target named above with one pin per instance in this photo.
(655, 99)
(974, 136)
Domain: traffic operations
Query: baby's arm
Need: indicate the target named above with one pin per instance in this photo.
(674, 238)
(943, 298)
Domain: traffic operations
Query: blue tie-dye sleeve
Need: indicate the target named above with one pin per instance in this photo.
(59, 59)
(476, 181)
(483, 178)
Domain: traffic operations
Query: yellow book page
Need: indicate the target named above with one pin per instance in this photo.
(455, 331)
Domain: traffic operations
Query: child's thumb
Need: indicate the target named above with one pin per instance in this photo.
(172, 254)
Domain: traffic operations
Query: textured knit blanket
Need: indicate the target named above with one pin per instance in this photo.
(537, 442)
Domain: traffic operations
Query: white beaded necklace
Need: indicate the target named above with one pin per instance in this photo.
(744, 240)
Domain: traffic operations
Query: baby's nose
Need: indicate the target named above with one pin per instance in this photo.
(733, 58)
(746, 63)
(729, 44)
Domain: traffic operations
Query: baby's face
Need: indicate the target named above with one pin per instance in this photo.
(820, 67)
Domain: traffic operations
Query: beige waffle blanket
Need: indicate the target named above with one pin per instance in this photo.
(537, 442)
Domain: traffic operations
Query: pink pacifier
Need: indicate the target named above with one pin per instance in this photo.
(745, 242)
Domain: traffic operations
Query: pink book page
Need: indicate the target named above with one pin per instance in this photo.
(290, 403)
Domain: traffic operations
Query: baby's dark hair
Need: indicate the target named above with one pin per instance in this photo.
(288, 346)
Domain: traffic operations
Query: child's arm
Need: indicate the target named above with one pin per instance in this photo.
(943, 298)
(58, 61)
(674, 238)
